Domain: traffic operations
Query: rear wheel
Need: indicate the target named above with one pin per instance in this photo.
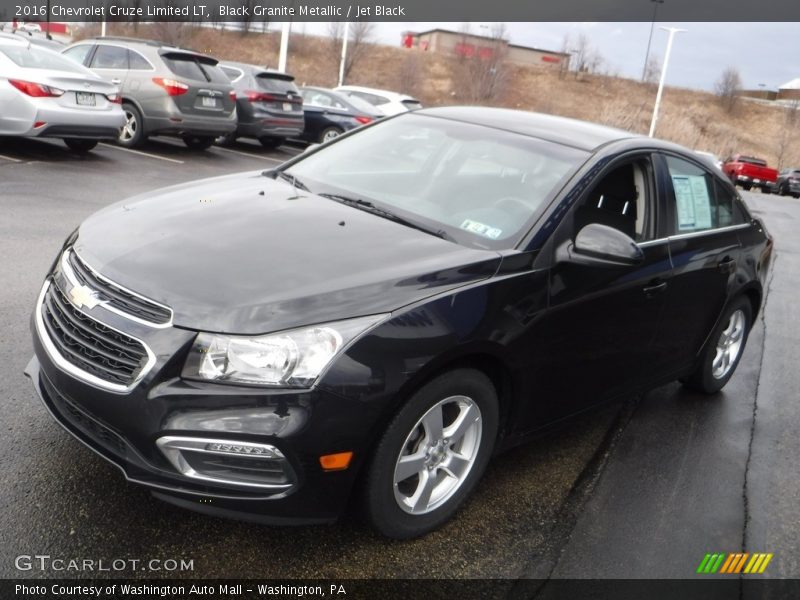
(80, 146)
(329, 134)
(432, 454)
(198, 142)
(781, 190)
(132, 133)
(270, 142)
(725, 347)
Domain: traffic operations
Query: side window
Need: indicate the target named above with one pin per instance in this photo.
(78, 53)
(138, 62)
(110, 57)
(621, 199)
(700, 201)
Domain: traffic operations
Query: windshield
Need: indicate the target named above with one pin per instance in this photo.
(482, 186)
(39, 58)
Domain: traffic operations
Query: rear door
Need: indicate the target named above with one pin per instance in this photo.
(209, 89)
(111, 63)
(704, 222)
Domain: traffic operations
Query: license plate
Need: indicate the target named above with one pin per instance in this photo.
(85, 99)
(287, 106)
(209, 102)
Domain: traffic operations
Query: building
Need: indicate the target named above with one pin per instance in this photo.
(789, 90)
(444, 41)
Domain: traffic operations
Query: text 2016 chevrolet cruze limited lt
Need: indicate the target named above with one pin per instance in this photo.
(368, 323)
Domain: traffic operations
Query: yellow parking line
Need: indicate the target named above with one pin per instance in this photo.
(16, 160)
(247, 154)
(140, 153)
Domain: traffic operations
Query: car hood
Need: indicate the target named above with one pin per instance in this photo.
(247, 254)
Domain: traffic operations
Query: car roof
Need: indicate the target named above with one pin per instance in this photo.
(562, 130)
(256, 69)
(369, 90)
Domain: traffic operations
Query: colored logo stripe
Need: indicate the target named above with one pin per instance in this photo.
(734, 563)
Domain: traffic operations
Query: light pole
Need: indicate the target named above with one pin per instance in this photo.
(286, 27)
(650, 38)
(344, 51)
(672, 31)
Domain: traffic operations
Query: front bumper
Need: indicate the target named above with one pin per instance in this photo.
(125, 429)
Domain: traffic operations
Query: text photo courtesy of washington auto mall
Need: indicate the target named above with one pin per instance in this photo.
(441, 299)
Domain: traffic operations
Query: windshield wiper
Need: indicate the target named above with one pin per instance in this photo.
(387, 214)
(275, 173)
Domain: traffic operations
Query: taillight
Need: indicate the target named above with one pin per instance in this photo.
(173, 87)
(232, 94)
(364, 120)
(114, 98)
(36, 90)
(253, 96)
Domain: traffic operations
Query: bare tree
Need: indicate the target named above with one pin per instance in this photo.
(652, 70)
(787, 133)
(174, 33)
(584, 58)
(728, 87)
(358, 41)
(480, 70)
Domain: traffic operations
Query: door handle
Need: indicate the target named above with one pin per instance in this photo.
(116, 81)
(654, 289)
(727, 265)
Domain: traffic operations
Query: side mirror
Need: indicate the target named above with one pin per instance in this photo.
(601, 244)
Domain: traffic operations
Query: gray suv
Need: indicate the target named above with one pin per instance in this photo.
(165, 90)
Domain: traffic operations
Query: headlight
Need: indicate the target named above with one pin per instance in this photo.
(293, 358)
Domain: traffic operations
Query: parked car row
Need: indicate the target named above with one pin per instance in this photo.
(163, 90)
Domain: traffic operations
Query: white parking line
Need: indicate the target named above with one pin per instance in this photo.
(248, 154)
(15, 160)
(140, 153)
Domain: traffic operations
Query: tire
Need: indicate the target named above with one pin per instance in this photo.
(329, 134)
(198, 142)
(781, 190)
(132, 133)
(270, 142)
(726, 345)
(795, 196)
(80, 146)
(455, 463)
(746, 187)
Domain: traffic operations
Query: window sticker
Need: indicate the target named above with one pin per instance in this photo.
(481, 229)
(694, 203)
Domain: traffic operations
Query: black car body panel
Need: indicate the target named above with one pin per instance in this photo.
(250, 254)
(335, 111)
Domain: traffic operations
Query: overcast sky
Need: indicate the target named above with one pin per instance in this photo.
(764, 53)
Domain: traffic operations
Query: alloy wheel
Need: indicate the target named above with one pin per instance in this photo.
(129, 129)
(437, 455)
(729, 345)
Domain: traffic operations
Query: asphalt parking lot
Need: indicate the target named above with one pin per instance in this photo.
(643, 488)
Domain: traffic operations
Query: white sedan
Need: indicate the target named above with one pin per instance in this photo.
(43, 94)
(388, 103)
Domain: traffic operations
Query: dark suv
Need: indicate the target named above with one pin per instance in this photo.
(268, 104)
(788, 182)
(165, 90)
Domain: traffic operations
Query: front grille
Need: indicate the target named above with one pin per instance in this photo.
(87, 425)
(89, 345)
(118, 297)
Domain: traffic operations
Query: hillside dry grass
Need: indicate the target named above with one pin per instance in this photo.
(694, 119)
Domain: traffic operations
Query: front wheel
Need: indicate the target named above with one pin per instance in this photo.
(198, 142)
(80, 146)
(725, 347)
(432, 454)
(331, 133)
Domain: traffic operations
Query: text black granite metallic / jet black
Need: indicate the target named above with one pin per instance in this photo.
(365, 325)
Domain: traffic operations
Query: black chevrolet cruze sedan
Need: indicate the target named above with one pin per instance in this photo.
(369, 322)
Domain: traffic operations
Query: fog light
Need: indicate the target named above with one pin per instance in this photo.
(229, 462)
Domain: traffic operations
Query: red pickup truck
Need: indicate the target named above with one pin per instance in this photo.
(750, 172)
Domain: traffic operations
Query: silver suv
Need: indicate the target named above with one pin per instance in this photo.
(165, 90)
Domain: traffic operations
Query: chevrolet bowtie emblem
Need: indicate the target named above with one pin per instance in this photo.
(83, 296)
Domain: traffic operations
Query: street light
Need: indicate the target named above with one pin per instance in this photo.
(650, 38)
(344, 52)
(672, 31)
